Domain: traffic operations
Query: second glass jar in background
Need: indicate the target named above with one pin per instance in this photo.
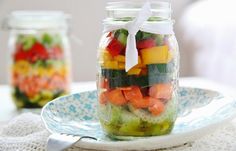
(142, 101)
(40, 59)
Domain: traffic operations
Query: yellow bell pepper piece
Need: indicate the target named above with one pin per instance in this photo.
(134, 71)
(121, 65)
(22, 67)
(105, 56)
(111, 65)
(140, 64)
(156, 55)
(120, 58)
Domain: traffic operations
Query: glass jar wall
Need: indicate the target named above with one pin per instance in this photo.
(40, 68)
(142, 101)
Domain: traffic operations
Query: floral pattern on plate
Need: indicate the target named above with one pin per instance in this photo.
(200, 112)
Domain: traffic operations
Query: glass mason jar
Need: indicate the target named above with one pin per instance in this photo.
(142, 101)
(39, 46)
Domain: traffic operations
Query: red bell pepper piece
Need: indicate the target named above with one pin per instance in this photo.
(147, 43)
(115, 47)
(38, 51)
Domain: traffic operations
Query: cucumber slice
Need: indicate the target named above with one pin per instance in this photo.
(160, 40)
(110, 114)
(110, 73)
(28, 41)
(47, 39)
(121, 36)
(168, 115)
(161, 68)
(130, 124)
(147, 35)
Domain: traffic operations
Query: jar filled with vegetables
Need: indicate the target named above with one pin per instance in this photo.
(138, 67)
(39, 49)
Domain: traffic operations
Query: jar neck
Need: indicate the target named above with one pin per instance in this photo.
(128, 10)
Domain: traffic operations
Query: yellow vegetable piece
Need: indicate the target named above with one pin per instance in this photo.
(105, 56)
(22, 67)
(140, 64)
(156, 55)
(134, 71)
(111, 65)
(120, 58)
(121, 65)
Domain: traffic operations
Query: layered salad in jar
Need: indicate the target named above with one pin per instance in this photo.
(39, 71)
(142, 101)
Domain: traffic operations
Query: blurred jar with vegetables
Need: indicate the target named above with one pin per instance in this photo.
(40, 57)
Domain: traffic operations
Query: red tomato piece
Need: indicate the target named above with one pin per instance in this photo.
(147, 43)
(56, 52)
(20, 54)
(38, 51)
(114, 47)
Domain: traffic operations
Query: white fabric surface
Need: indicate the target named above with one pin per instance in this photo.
(24, 133)
(27, 133)
(208, 40)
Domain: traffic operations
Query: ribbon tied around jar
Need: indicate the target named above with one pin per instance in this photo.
(164, 27)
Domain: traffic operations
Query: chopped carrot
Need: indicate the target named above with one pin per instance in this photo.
(116, 97)
(133, 94)
(161, 91)
(157, 109)
(102, 98)
(141, 103)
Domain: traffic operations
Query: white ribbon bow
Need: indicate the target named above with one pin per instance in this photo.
(162, 27)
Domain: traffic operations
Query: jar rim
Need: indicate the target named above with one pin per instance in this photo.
(120, 9)
(36, 20)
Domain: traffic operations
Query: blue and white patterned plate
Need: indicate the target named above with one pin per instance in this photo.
(200, 112)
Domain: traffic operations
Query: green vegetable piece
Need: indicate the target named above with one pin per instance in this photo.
(130, 124)
(110, 73)
(160, 40)
(160, 68)
(115, 114)
(27, 41)
(35, 99)
(122, 35)
(47, 94)
(139, 36)
(39, 63)
(147, 35)
(123, 39)
(47, 39)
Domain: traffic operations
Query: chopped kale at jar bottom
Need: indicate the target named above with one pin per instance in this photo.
(121, 121)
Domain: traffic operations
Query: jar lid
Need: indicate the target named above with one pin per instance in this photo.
(120, 9)
(36, 20)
